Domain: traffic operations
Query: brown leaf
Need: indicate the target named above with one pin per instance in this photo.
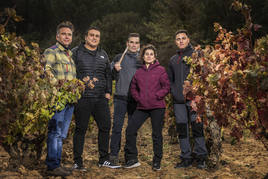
(193, 105)
(198, 119)
(86, 79)
(2, 29)
(95, 79)
(91, 84)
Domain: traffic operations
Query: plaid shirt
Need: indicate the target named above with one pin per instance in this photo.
(59, 63)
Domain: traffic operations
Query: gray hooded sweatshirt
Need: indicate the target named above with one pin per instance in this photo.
(123, 78)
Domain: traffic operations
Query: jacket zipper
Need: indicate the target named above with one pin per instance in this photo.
(147, 70)
(179, 58)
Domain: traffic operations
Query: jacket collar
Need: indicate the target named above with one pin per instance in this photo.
(131, 54)
(82, 47)
(186, 49)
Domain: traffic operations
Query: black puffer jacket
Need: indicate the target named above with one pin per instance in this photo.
(93, 64)
(178, 71)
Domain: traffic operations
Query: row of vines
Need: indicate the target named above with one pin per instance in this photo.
(228, 85)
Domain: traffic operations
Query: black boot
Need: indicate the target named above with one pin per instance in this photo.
(185, 163)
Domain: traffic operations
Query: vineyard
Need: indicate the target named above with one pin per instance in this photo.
(245, 160)
(228, 86)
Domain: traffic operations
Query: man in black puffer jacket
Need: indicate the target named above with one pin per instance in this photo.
(178, 71)
(92, 67)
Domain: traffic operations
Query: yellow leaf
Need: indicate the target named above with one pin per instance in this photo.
(28, 127)
(29, 116)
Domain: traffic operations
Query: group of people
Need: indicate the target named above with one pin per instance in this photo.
(141, 86)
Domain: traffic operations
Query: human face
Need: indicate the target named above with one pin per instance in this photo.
(182, 40)
(92, 39)
(149, 56)
(133, 44)
(65, 36)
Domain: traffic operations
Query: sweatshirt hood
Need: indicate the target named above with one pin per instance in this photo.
(152, 66)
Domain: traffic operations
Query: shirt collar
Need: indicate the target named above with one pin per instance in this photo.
(63, 48)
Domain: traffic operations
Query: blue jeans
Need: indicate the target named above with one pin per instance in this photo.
(58, 127)
(121, 107)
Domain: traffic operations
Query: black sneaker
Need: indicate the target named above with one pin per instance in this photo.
(132, 163)
(109, 164)
(156, 166)
(79, 167)
(58, 172)
(201, 164)
(185, 163)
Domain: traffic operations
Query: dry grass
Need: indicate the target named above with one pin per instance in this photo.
(247, 159)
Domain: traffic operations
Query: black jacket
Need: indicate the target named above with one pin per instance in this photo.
(178, 71)
(93, 64)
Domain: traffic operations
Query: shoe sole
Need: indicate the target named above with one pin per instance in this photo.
(133, 166)
(156, 169)
(202, 168)
(113, 167)
(81, 170)
(68, 169)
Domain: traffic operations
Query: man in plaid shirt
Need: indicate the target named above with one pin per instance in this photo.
(59, 65)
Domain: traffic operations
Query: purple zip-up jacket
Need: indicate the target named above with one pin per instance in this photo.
(150, 86)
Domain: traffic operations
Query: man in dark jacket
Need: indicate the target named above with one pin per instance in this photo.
(92, 67)
(178, 71)
(123, 69)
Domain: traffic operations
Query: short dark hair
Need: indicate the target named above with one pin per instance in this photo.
(133, 35)
(91, 28)
(181, 31)
(63, 24)
(146, 47)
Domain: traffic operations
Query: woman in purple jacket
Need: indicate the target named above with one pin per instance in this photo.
(149, 87)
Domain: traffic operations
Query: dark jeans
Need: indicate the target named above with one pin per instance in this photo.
(184, 115)
(58, 127)
(136, 121)
(121, 107)
(99, 108)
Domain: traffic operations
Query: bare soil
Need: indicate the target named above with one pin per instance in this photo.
(246, 159)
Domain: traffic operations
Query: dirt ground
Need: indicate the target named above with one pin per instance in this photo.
(247, 159)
